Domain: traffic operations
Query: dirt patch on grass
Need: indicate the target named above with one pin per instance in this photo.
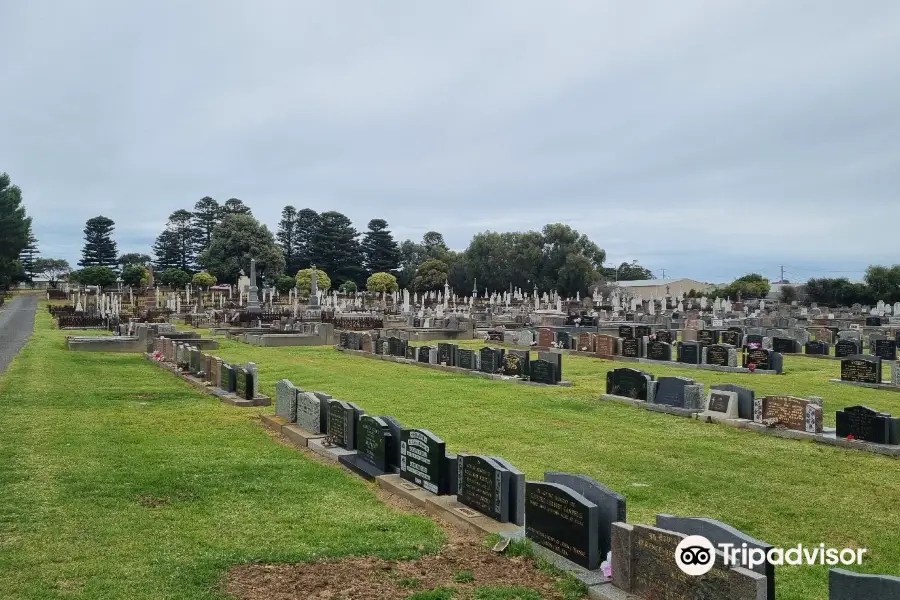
(461, 567)
(151, 501)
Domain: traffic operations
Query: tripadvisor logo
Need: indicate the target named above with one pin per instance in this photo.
(695, 555)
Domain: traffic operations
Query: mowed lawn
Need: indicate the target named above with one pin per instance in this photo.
(783, 491)
(118, 481)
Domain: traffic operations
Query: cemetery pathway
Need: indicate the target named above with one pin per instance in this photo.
(16, 326)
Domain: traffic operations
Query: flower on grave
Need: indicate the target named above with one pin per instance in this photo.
(850, 436)
(157, 356)
(653, 337)
(606, 565)
(754, 345)
(751, 367)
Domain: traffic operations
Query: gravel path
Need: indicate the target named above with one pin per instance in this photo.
(16, 326)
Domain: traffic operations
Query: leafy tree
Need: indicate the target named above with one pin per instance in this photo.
(788, 294)
(14, 229)
(207, 214)
(27, 258)
(380, 250)
(52, 269)
(348, 287)
(287, 238)
(335, 248)
(102, 276)
(135, 275)
(431, 275)
(434, 243)
(134, 258)
(99, 247)
(236, 240)
(304, 280)
(411, 256)
(382, 282)
(884, 282)
(175, 278)
(285, 284)
(203, 279)
(307, 223)
(627, 272)
(752, 285)
(166, 251)
(235, 206)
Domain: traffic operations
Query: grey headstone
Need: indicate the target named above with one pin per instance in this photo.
(745, 398)
(611, 504)
(846, 585)
(516, 492)
(670, 391)
(323, 403)
(285, 395)
(309, 412)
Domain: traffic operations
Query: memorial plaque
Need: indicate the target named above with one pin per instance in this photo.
(631, 347)
(606, 345)
(465, 359)
(718, 402)
(630, 383)
(708, 336)
(670, 391)
(412, 353)
(563, 521)
(732, 338)
(554, 358)
(543, 371)
(340, 424)
(867, 425)
(447, 354)
(717, 354)
(491, 360)
(816, 347)
(886, 349)
(641, 331)
(846, 348)
(611, 506)
(861, 368)
(374, 441)
(689, 352)
(784, 345)
(483, 484)
(422, 460)
(309, 412)
(659, 350)
(789, 412)
(626, 332)
(664, 335)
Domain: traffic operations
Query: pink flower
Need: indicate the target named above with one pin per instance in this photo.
(751, 367)
(606, 565)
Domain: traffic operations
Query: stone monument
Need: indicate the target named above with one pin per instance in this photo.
(253, 307)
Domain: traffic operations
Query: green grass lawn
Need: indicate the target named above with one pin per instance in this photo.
(119, 481)
(783, 491)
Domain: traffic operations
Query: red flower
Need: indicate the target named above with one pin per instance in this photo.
(850, 436)
(751, 367)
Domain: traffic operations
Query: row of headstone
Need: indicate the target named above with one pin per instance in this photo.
(234, 379)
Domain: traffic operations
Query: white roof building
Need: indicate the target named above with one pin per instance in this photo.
(658, 288)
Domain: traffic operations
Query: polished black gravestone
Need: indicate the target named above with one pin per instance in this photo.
(626, 332)
(227, 378)
(423, 461)
(483, 484)
(732, 338)
(517, 363)
(717, 354)
(610, 504)
(867, 425)
(745, 398)
(846, 348)
(412, 353)
(340, 430)
(873, 321)
(465, 359)
(516, 491)
(664, 335)
(762, 358)
(491, 360)
(374, 443)
(554, 358)
(708, 336)
(862, 368)
(563, 340)
(847, 585)
(886, 349)
(690, 352)
(342, 339)
(718, 532)
(816, 347)
(422, 355)
(563, 521)
(785, 345)
(244, 383)
(447, 354)
(754, 339)
(630, 383)
(670, 391)
(543, 371)
(631, 348)
(657, 350)
(641, 331)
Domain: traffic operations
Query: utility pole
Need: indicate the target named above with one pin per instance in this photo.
(782, 273)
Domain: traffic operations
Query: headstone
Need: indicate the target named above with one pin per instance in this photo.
(422, 460)
(543, 371)
(517, 363)
(630, 383)
(563, 340)
(626, 332)
(721, 355)
(885, 349)
(423, 354)
(374, 442)
(753, 339)
(244, 383)
(606, 345)
(631, 347)
(659, 350)
(227, 379)
(341, 424)
(718, 532)
(847, 347)
(664, 335)
(483, 484)
(554, 358)
(447, 354)
(873, 321)
(412, 353)
(392, 455)
(671, 391)
(641, 331)
(815, 347)
(765, 360)
(862, 368)
(689, 352)
(732, 338)
(708, 336)
(788, 412)
(465, 359)
(784, 345)
(745, 398)
(491, 360)
(526, 337)
(847, 585)
(585, 342)
(611, 505)
(563, 521)
(286, 400)
(868, 425)
(309, 412)
(324, 403)
(545, 337)
(516, 491)
(721, 404)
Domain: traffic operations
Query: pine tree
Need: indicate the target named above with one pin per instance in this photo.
(236, 206)
(181, 224)
(99, 247)
(14, 228)
(287, 238)
(306, 225)
(380, 251)
(165, 251)
(335, 248)
(27, 258)
(207, 214)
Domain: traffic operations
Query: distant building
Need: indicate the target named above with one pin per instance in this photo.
(657, 288)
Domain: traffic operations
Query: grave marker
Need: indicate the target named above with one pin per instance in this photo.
(309, 412)
(483, 484)
(867, 425)
(861, 368)
(629, 383)
(611, 506)
(563, 521)
(422, 460)
(788, 412)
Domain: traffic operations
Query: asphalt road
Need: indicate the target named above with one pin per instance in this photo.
(16, 326)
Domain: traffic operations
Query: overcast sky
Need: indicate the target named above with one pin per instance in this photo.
(704, 138)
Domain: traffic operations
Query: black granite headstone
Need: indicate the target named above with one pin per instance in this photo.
(641, 331)
(670, 391)
(657, 350)
(447, 354)
(690, 352)
(610, 504)
(873, 321)
(465, 359)
(483, 484)
(861, 368)
(554, 358)
(745, 398)
(563, 521)
(708, 336)
(516, 363)
(412, 353)
(847, 585)
(732, 338)
(374, 442)
(340, 424)
(717, 354)
(867, 425)
(816, 347)
(423, 461)
(846, 348)
(626, 332)
(885, 349)
(543, 371)
(664, 335)
(630, 383)
(784, 345)
(631, 348)
(516, 491)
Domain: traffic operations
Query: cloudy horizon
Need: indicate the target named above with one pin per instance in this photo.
(707, 140)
